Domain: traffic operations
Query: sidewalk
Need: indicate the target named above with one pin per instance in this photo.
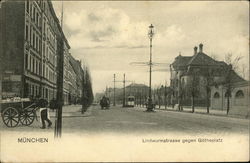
(197, 110)
(72, 111)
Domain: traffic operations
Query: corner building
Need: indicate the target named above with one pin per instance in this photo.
(30, 31)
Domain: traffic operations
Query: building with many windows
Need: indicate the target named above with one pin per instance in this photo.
(30, 33)
(40, 49)
(77, 79)
(66, 74)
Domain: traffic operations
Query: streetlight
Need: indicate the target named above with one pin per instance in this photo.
(150, 35)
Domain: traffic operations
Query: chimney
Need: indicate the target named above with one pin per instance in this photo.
(195, 50)
(201, 48)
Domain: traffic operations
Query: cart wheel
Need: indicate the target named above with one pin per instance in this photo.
(27, 117)
(10, 117)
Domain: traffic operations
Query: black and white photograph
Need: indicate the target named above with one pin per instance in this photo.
(124, 81)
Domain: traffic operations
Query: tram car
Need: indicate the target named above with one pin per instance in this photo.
(130, 101)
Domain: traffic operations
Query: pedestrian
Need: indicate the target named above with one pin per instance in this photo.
(108, 103)
(43, 104)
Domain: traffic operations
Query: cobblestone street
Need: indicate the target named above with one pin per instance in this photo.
(135, 120)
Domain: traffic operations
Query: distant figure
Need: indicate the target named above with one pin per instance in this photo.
(42, 104)
(108, 102)
(104, 102)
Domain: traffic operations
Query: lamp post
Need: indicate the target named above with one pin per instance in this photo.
(150, 35)
(114, 91)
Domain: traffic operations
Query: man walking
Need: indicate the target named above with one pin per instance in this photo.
(43, 104)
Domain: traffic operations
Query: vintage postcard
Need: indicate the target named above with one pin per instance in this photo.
(124, 81)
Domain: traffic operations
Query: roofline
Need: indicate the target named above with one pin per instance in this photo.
(57, 22)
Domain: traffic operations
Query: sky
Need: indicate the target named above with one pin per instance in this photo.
(109, 36)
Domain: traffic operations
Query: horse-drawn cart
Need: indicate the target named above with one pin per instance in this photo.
(18, 110)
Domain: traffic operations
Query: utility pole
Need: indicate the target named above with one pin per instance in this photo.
(1, 53)
(124, 89)
(114, 91)
(165, 95)
(109, 92)
(60, 63)
(58, 122)
(83, 93)
(106, 92)
(124, 93)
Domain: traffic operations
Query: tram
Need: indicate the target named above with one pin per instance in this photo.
(131, 101)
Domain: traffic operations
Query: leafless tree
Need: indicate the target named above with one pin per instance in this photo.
(233, 66)
(194, 87)
(209, 79)
(234, 61)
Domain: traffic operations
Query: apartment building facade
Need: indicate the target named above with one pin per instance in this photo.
(30, 31)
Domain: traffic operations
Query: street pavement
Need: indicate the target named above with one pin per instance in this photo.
(137, 121)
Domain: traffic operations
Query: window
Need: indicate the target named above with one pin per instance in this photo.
(35, 62)
(27, 32)
(239, 94)
(44, 24)
(43, 49)
(43, 70)
(36, 47)
(31, 9)
(47, 50)
(27, 5)
(29, 66)
(40, 46)
(30, 33)
(34, 14)
(46, 93)
(37, 67)
(40, 68)
(47, 73)
(37, 18)
(35, 90)
(216, 95)
(33, 40)
(33, 65)
(26, 61)
(32, 90)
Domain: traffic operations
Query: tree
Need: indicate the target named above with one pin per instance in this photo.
(180, 91)
(228, 84)
(230, 60)
(233, 65)
(87, 95)
(194, 87)
(208, 76)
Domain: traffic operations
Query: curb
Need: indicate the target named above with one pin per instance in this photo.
(209, 114)
(204, 113)
(73, 114)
